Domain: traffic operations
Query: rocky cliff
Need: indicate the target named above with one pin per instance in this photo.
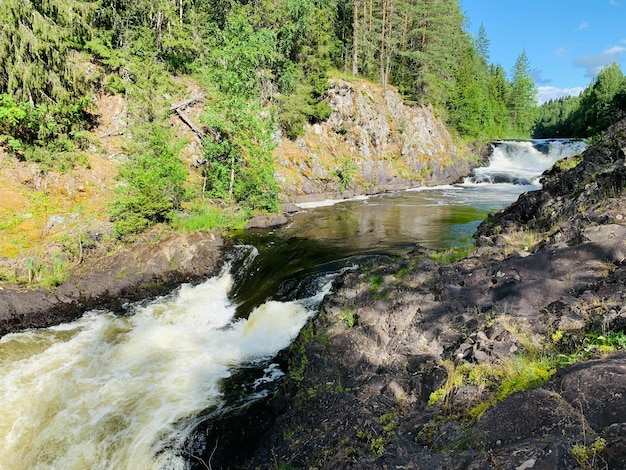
(371, 143)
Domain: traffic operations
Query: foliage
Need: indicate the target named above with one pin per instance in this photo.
(39, 44)
(240, 165)
(204, 216)
(592, 345)
(523, 97)
(152, 181)
(238, 150)
(524, 372)
(601, 104)
(588, 456)
(46, 134)
(348, 317)
(453, 254)
(345, 173)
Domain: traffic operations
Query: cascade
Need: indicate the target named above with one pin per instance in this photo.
(112, 391)
(522, 162)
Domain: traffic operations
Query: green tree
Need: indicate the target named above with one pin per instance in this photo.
(522, 102)
(499, 90)
(39, 45)
(482, 43)
(601, 104)
(152, 180)
(469, 109)
(597, 107)
(240, 165)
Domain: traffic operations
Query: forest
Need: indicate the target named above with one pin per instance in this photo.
(264, 68)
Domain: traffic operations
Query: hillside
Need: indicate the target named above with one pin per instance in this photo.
(58, 225)
(53, 220)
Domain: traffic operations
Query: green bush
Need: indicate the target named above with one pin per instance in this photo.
(47, 135)
(152, 181)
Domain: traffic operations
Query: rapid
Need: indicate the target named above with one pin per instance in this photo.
(112, 391)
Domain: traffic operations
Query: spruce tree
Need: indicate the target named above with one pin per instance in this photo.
(522, 102)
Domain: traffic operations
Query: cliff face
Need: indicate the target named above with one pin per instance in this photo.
(371, 143)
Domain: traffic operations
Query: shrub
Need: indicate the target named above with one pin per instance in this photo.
(152, 181)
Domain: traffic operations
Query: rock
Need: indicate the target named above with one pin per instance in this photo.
(139, 271)
(437, 319)
(596, 388)
(371, 143)
(532, 414)
(267, 221)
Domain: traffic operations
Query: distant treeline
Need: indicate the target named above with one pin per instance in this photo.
(601, 104)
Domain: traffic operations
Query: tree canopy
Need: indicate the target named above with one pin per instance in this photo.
(601, 104)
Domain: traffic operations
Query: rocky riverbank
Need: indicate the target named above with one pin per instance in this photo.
(502, 359)
(58, 224)
(153, 265)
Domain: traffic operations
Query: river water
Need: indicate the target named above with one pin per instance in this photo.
(111, 392)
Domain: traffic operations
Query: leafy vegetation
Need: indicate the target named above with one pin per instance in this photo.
(601, 104)
(588, 456)
(151, 183)
(529, 369)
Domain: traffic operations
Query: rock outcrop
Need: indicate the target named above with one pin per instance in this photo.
(144, 269)
(408, 372)
(371, 143)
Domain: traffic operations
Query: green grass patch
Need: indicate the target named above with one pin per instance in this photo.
(452, 254)
(348, 317)
(524, 372)
(208, 217)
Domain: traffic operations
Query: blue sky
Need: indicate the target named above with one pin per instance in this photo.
(567, 41)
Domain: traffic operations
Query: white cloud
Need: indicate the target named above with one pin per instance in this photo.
(583, 25)
(547, 93)
(593, 64)
(614, 3)
(560, 52)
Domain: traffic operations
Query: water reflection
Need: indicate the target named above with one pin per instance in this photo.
(436, 217)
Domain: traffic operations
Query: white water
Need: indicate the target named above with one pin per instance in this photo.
(119, 392)
(522, 162)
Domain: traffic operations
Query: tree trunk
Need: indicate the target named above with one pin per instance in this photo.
(383, 45)
(355, 40)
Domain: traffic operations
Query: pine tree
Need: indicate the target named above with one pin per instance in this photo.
(522, 102)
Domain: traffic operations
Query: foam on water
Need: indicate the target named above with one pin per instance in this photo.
(522, 162)
(111, 392)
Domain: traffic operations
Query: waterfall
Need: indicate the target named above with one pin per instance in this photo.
(522, 162)
(123, 391)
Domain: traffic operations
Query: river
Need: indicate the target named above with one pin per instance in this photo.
(111, 392)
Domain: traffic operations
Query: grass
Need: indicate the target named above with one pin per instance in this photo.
(588, 456)
(207, 217)
(452, 254)
(528, 370)
(593, 345)
(523, 372)
(348, 317)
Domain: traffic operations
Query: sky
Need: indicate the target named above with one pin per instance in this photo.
(567, 42)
